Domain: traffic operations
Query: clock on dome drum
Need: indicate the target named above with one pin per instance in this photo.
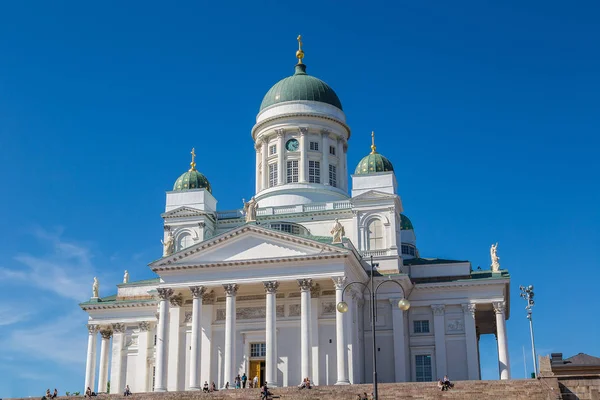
(292, 145)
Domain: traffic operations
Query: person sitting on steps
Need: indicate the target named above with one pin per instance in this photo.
(127, 391)
(447, 383)
(205, 387)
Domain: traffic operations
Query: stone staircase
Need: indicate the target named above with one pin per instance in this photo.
(526, 389)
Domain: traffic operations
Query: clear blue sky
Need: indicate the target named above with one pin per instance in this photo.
(488, 110)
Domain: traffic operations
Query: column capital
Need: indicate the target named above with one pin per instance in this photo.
(438, 309)
(303, 130)
(499, 307)
(469, 308)
(106, 333)
(208, 297)
(271, 286)
(230, 289)
(118, 328)
(339, 281)
(164, 293)
(176, 301)
(93, 328)
(315, 291)
(280, 132)
(197, 291)
(144, 326)
(305, 284)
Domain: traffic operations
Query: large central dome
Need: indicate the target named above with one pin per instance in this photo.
(300, 86)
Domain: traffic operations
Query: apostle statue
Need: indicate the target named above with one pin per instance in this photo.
(95, 288)
(250, 210)
(126, 277)
(495, 258)
(168, 244)
(337, 231)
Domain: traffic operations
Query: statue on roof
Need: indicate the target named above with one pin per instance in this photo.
(126, 277)
(495, 264)
(250, 210)
(337, 231)
(168, 244)
(95, 288)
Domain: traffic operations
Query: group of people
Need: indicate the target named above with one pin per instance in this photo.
(206, 389)
(365, 396)
(305, 384)
(445, 384)
(240, 381)
(50, 395)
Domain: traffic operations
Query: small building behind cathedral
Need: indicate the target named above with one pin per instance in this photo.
(255, 291)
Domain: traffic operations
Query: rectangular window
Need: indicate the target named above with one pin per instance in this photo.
(314, 172)
(314, 146)
(423, 368)
(272, 175)
(292, 171)
(258, 349)
(272, 149)
(332, 150)
(421, 326)
(405, 249)
(332, 176)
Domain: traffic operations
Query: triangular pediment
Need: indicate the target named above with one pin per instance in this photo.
(249, 243)
(183, 212)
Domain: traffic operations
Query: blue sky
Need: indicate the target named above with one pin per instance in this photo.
(488, 110)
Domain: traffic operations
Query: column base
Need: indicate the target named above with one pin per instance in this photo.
(342, 382)
(160, 389)
(195, 388)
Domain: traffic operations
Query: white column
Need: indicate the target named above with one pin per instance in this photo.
(196, 345)
(399, 342)
(258, 182)
(340, 334)
(271, 334)
(314, 329)
(303, 162)
(305, 347)
(230, 317)
(106, 334)
(341, 169)
(176, 346)
(141, 370)
(325, 163)
(471, 341)
(281, 175)
(265, 167)
(117, 366)
(208, 301)
(160, 375)
(350, 299)
(439, 329)
(90, 364)
(503, 359)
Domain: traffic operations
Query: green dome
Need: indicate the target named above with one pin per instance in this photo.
(300, 86)
(405, 223)
(192, 179)
(372, 163)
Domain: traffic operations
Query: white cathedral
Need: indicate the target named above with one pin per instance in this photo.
(257, 290)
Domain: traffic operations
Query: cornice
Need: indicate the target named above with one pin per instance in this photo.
(108, 306)
(455, 284)
(299, 114)
(279, 217)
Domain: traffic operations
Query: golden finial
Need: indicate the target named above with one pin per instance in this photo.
(299, 53)
(193, 163)
(373, 148)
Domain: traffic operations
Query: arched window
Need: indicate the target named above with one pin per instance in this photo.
(375, 235)
(185, 241)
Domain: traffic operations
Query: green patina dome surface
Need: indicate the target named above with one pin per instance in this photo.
(372, 163)
(405, 223)
(192, 179)
(300, 86)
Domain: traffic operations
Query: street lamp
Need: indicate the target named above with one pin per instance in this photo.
(527, 294)
(342, 307)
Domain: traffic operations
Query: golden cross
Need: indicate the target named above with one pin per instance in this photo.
(299, 53)
(193, 163)
(373, 142)
(299, 42)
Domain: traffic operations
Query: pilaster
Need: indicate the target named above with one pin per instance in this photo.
(471, 341)
(440, 339)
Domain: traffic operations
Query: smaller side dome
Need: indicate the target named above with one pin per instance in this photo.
(192, 179)
(374, 162)
(405, 223)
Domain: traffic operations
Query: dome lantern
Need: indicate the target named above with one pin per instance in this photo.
(192, 179)
(373, 162)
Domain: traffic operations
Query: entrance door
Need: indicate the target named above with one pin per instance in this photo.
(257, 368)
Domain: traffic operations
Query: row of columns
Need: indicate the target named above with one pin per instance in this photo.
(262, 148)
(307, 320)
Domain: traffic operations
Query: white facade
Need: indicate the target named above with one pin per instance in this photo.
(260, 297)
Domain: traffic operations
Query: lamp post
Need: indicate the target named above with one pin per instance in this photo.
(342, 307)
(527, 294)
